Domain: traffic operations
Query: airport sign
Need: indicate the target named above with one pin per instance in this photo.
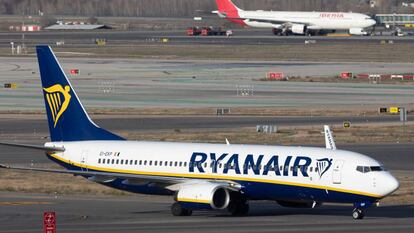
(49, 222)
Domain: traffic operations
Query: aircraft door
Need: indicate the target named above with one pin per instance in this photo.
(84, 160)
(337, 172)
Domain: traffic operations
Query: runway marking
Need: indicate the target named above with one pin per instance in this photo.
(24, 203)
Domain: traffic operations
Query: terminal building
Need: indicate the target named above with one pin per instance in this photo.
(395, 19)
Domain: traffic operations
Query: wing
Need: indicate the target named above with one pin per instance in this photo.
(171, 183)
(34, 147)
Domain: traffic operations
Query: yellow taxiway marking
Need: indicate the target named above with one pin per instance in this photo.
(20, 203)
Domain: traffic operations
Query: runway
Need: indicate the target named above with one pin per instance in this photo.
(151, 214)
(241, 37)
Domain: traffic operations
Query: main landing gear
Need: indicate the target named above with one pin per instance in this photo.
(178, 210)
(238, 209)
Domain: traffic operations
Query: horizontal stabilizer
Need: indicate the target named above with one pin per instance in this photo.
(34, 147)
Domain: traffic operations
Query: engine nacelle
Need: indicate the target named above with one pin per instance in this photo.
(358, 31)
(298, 28)
(216, 196)
(299, 204)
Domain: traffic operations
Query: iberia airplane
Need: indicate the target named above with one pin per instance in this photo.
(296, 22)
(201, 175)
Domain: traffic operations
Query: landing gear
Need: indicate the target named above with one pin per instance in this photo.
(178, 210)
(238, 205)
(358, 213)
(238, 209)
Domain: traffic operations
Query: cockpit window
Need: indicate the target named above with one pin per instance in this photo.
(366, 169)
(377, 168)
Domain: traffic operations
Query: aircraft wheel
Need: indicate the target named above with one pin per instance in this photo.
(178, 210)
(238, 209)
(358, 214)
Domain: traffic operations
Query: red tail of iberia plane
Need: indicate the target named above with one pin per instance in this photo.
(229, 11)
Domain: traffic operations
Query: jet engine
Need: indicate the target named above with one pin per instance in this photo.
(214, 195)
(298, 28)
(357, 31)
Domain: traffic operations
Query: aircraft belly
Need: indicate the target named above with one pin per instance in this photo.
(266, 191)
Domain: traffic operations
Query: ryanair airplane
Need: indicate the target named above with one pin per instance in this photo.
(202, 176)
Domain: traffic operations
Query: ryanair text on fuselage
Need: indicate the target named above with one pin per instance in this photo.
(299, 164)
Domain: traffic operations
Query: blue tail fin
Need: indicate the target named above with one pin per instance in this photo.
(68, 120)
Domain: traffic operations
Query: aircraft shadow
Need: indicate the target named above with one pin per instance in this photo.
(394, 211)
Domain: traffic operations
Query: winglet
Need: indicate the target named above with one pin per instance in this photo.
(329, 139)
(227, 142)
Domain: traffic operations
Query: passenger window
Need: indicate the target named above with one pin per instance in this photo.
(145, 162)
(185, 164)
(140, 162)
(136, 161)
(99, 160)
(175, 164)
(113, 161)
(117, 161)
(166, 163)
(155, 163)
(181, 163)
(310, 169)
(171, 163)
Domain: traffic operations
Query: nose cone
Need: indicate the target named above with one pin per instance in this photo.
(391, 184)
(370, 22)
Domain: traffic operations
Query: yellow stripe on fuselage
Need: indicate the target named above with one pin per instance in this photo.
(214, 177)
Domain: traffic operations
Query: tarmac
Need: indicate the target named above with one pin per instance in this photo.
(24, 212)
(240, 37)
(132, 83)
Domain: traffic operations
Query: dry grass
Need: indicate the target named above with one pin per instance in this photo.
(50, 183)
(286, 135)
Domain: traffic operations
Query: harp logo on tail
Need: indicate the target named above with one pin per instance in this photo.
(58, 99)
(323, 166)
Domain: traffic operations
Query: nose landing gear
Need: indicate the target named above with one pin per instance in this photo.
(358, 213)
(359, 210)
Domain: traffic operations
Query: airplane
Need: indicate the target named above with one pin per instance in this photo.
(200, 175)
(295, 22)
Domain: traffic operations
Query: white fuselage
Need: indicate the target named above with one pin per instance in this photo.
(313, 20)
(200, 161)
